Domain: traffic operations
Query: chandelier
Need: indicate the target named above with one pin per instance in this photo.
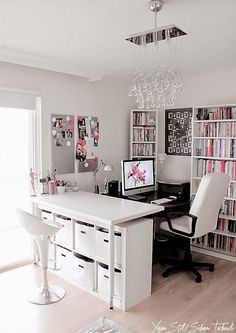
(151, 86)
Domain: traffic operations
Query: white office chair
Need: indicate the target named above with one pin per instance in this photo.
(41, 233)
(201, 219)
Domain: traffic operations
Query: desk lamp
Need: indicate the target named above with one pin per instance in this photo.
(107, 168)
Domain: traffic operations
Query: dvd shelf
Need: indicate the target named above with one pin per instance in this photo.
(143, 134)
(214, 150)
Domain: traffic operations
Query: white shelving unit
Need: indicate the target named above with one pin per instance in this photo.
(81, 251)
(143, 134)
(214, 149)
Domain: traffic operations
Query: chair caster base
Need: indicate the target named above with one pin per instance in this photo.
(165, 275)
(50, 295)
(211, 268)
(198, 279)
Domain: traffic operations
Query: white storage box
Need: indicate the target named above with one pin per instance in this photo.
(64, 235)
(64, 259)
(103, 281)
(46, 215)
(84, 239)
(102, 247)
(83, 271)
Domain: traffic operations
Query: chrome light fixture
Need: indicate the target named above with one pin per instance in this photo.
(151, 86)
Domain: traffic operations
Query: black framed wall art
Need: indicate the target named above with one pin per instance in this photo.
(178, 131)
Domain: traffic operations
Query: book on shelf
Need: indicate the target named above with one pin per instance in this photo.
(216, 113)
(144, 134)
(222, 148)
(217, 242)
(143, 149)
(226, 225)
(204, 166)
(144, 118)
(216, 129)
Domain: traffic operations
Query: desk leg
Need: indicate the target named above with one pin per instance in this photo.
(111, 265)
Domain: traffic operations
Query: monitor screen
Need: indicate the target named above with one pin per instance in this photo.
(137, 176)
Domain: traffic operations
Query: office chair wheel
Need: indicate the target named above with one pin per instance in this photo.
(198, 279)
(211, 268)
(165, 274)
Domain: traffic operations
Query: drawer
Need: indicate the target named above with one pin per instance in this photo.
(84, 239)
(46, 215)
(64, 235)
(102, 247)
(83, 271)
(103, 281)
(64, 259)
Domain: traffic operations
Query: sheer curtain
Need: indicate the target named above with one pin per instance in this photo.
(19, 149)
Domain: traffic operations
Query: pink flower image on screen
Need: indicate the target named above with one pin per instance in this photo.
(139, 176)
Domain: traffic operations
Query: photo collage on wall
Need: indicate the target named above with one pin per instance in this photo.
(178, 132)
(87, 145)
(62, 130)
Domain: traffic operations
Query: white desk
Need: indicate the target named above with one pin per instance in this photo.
(100, 210)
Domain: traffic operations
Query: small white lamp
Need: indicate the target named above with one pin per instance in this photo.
(107, 168)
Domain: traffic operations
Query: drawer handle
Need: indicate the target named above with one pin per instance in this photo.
(83, 232)
(106, 276)
(63, 255)
(81, 266)
(106, 240)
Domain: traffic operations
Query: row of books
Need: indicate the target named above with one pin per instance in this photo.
(218, 242)
(216, 148)
(231, 192)
(144, 118)
(229, 207)
(207, 166)
(216, 129)
(226, 225)
(144, 134)
(144, 149)
(216, 113)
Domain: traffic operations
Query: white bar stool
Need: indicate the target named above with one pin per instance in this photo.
(41, 233)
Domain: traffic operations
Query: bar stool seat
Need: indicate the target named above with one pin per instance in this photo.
(41, 233)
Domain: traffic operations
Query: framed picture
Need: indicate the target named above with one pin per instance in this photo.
(87, 145)
(178, 131)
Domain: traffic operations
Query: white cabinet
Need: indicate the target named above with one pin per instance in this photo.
(84, 239)
(64, 235)
(103, 281)
(84, 261)
(64, 261)
(102, 246)
(83, 271)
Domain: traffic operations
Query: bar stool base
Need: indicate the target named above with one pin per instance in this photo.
(50, 295)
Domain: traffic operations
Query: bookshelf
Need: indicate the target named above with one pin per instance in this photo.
(214, 149)
(143, 134)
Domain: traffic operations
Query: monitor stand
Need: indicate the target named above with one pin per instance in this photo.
(136, 197)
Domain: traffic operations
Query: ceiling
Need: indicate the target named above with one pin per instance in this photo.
(87, 37)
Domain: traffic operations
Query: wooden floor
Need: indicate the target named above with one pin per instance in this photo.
(175, 299)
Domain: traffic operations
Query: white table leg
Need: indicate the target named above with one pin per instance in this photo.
(111, 265)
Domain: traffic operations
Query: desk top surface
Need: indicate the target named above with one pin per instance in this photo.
(93, 208)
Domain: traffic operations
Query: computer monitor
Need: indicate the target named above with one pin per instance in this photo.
(137, 176)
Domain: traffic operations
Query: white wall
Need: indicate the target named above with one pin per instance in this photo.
(107, 99)
(62, 93)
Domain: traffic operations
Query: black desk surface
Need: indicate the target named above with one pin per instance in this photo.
(181, 203)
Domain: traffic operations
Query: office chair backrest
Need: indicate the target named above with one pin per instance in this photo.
(208, 201)
(35, 225)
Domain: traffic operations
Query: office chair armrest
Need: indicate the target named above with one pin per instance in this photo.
(194, 221)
